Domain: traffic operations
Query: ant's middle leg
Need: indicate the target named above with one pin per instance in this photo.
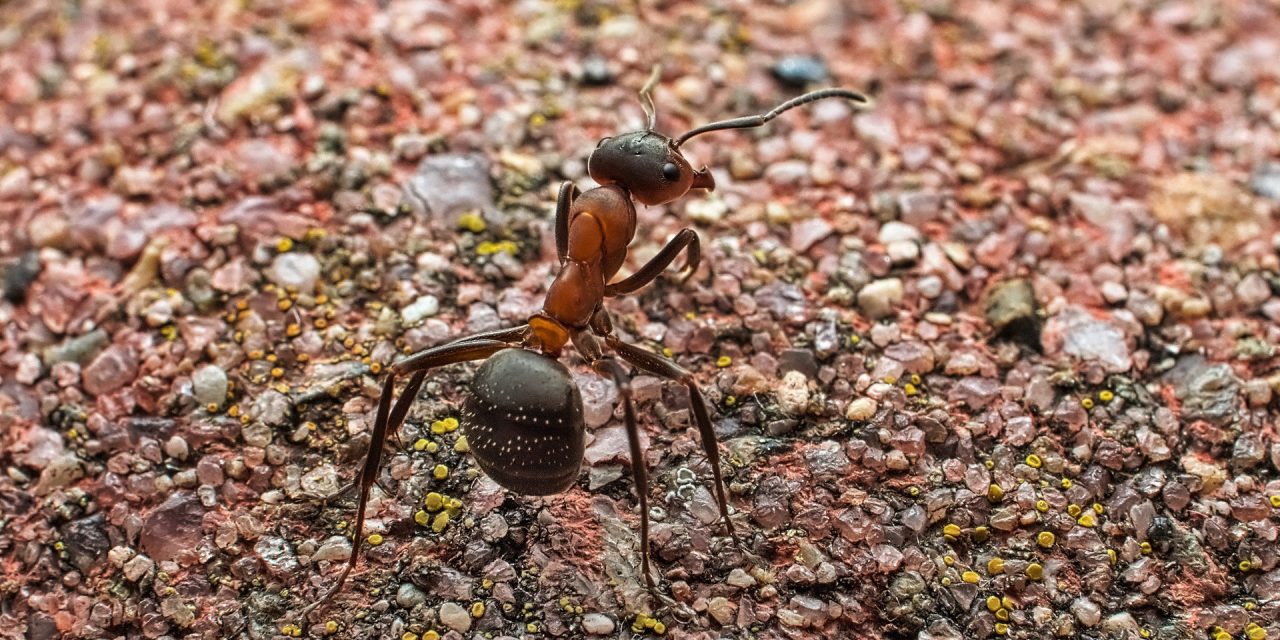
(685, 239)
(389, 419)
(664, 368)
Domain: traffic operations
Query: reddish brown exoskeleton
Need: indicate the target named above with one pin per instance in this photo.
(523, 416)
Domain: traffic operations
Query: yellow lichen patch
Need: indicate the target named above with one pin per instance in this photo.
(951, 530)
(291, 630)
(477, 609)
(995, 566)
(993, 604)
(440, 521)
(1035, 571)
(724, 361)
(471, 221)
(1045, 539)
(1087, 520)
(1087, 403)
(331, 627)
(1034, 461)
(995, 493)
(489, 248)
(375, 539)
(441, 427)
(284, 244)
(422, 518)
(462, 446)
(970, 577)
(1106, 395)
(440, 472)
(420, 444)
(434, 501)
(980, 534)
(1042, 505)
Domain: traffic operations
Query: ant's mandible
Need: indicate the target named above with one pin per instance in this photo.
(523, 417)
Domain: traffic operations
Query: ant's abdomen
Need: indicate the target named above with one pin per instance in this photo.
(523, 421)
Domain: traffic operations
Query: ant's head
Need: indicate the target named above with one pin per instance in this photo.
(647, 164)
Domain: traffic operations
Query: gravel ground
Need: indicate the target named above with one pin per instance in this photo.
(996, 357)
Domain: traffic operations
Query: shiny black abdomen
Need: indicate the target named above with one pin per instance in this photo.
(523, 420)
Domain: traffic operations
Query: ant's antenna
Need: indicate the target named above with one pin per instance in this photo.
(747, 122)
(646, 97)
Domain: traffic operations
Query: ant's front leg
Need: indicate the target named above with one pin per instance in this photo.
(568, 193)
(685, 239)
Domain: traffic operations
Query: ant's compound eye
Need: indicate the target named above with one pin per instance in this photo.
(602, 141)
(671, 172)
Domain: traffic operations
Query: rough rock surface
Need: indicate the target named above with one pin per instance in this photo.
(994, 358)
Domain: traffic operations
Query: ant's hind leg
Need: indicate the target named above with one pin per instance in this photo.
(610, 367)
(509, 335)
(686, 240)
(664, 368)
(389, 419)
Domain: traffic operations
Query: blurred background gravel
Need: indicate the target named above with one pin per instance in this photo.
(994, 358)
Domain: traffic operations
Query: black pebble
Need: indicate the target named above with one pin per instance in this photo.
(595, 72)
(17, 275)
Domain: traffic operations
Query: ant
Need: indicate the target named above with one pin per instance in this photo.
(523, 417)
